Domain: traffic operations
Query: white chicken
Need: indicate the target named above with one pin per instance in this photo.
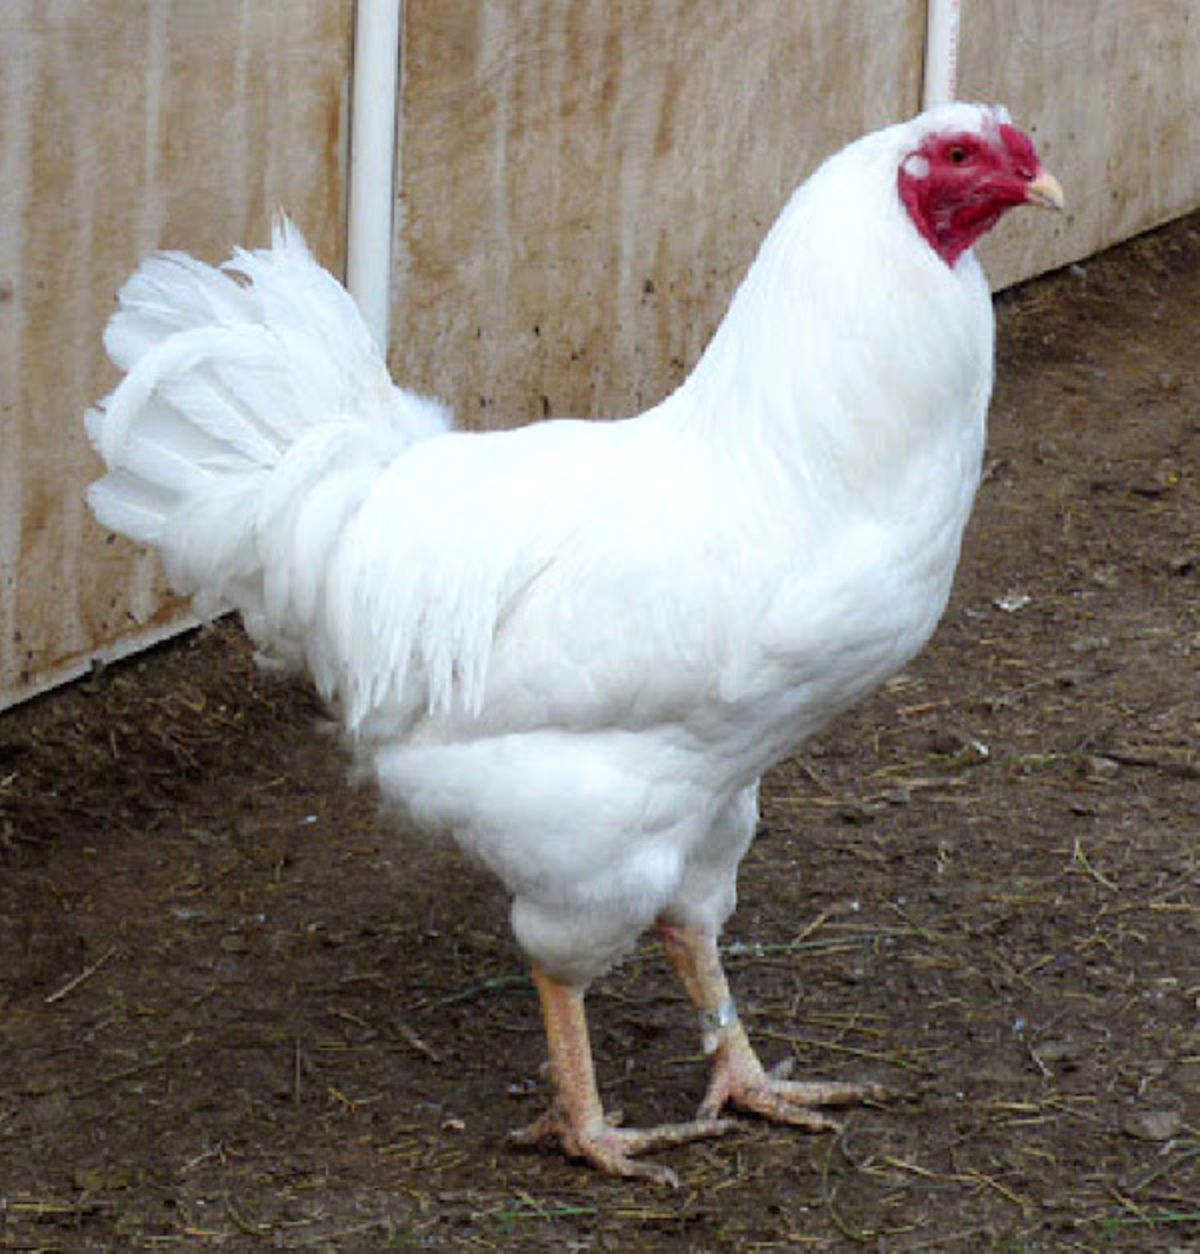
(577, 646)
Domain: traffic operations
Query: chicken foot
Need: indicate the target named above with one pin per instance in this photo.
(576, 1119)
(738, 1077)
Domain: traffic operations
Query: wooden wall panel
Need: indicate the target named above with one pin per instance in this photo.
(1112, 90)
(583, 182)
(127, 125)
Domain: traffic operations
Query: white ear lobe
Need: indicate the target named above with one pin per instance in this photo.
(916, 166)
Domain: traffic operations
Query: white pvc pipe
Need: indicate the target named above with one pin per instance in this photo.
(941, 53)
(377, 25)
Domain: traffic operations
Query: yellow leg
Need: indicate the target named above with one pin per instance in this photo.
(738, 1078)
(576, 1119)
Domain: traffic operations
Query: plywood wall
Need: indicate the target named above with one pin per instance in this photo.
(1111, 88)
(127, 125)
(581, 185)
(582, 182)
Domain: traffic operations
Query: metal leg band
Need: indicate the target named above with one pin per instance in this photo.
(724, 1016)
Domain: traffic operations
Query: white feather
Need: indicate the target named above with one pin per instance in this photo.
(240, 395)
(577, 646)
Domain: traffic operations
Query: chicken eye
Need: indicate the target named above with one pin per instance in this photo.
(958, 154)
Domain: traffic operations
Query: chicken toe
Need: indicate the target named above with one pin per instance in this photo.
(576, 1121)
(738, 1078)
(613, 1149)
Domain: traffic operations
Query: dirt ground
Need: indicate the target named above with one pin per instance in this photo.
(239, 1011)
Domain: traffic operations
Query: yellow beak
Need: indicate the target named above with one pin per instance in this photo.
(1046, 191)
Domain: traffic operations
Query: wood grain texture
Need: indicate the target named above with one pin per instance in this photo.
(583, 182)
(130, 125)
(1111, 90)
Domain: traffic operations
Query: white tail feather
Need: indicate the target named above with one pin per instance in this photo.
(254, 416)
